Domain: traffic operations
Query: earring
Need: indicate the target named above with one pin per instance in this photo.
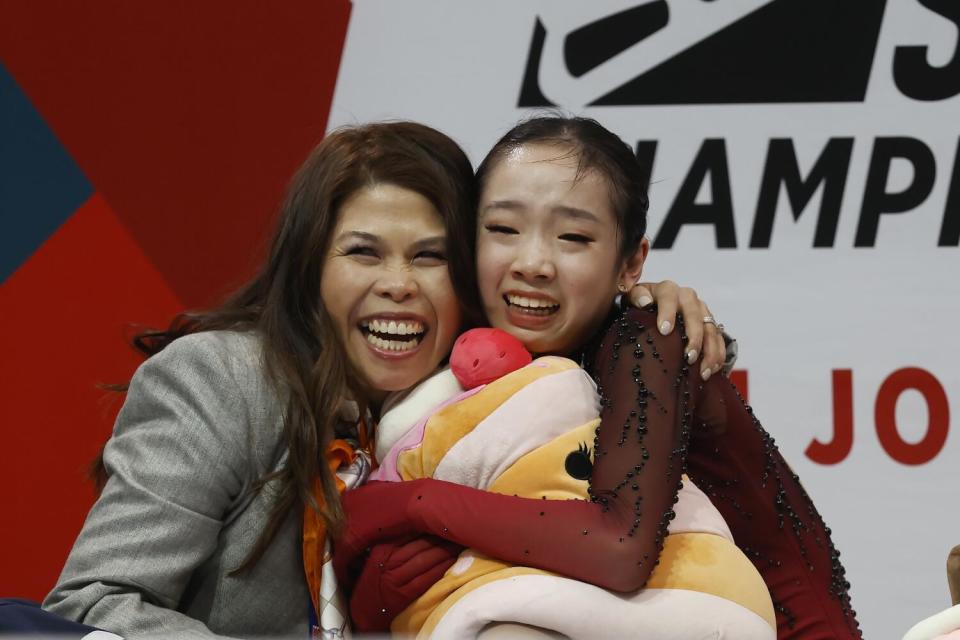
(622, 288)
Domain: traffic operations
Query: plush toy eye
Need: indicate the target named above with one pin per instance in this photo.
(578, 464)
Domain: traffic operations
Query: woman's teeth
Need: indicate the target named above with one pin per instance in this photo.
(533, 306)
(392, 335)
(392, 345)
(402, 328)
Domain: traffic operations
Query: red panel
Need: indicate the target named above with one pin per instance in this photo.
(62, 332)
(189, 117)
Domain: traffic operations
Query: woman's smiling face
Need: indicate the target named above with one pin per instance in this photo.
(387, 288)
(548, 252)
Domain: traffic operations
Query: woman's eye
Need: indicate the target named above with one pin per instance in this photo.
(500, 228)
(360, 251)
(576, 237)
(430, 257)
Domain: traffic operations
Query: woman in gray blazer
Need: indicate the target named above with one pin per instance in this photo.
(220, 447)
(215, 453)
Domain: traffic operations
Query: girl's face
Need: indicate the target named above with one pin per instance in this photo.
(387, 289)
(548, 249)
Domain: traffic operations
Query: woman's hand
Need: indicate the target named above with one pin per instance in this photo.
(704, 338)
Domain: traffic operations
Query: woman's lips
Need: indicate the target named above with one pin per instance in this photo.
(393, 336)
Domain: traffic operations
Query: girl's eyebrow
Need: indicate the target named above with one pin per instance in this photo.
(509, 205)
(576, 212)
(562, 209)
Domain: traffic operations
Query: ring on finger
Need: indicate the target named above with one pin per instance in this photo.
(711, 320)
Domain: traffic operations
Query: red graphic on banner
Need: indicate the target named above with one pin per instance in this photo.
(66, 313)
(188, 119)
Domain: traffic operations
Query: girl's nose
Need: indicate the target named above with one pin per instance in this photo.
(534, 261)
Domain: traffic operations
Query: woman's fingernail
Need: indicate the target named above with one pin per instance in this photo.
(665, 327)
(705, 374)
(691, 356)
(645, 300)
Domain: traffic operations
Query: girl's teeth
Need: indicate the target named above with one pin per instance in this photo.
(530, 303)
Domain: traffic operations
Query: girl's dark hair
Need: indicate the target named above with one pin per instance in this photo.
(303, 355)
(596, 149)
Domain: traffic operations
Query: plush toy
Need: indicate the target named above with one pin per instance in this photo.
(946, 624)
(462, 426)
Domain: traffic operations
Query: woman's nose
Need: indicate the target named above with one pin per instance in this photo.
(398, 285)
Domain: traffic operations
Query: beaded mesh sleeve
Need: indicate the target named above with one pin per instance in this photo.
(728, 454)
(660, 421)
(613, 539)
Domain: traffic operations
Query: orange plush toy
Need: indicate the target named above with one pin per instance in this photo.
(502, 422)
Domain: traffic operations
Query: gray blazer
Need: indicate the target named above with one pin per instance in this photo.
(199, 426)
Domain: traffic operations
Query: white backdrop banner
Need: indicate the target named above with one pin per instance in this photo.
(806, 181)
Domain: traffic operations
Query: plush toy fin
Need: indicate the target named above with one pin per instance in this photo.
(403, 410)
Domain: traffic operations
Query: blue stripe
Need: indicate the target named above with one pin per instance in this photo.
(40, 184)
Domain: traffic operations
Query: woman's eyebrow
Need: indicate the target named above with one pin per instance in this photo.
(429, 243)
(359, 235)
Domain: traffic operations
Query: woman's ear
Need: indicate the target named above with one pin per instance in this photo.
(633, 266)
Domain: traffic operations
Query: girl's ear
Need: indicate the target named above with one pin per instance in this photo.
(633, 266)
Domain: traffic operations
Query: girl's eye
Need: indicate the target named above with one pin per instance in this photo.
(576, 237)
(500, 228)
(430, 258)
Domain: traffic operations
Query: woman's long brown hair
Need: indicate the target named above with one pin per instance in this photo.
(303, 357)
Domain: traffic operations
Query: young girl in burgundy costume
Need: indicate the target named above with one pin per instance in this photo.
(660, 418)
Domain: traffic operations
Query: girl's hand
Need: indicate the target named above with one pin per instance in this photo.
(376, 512)
(704, 338)
(396, 574)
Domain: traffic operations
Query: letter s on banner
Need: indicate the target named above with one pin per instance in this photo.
(912, 73)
